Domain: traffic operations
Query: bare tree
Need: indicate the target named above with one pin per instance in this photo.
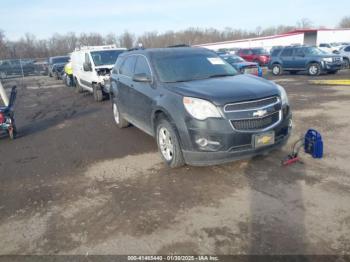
(304, 23)
(127, 40)
(345, 22)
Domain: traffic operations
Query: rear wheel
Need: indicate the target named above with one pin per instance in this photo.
(277, 69)
(168, 144)
(118, 118)
(314, 69)
(346, 64)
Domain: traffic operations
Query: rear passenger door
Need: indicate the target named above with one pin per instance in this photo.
(142, 94)
(287, 58)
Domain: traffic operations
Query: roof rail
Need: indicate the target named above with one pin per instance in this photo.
(98, 47)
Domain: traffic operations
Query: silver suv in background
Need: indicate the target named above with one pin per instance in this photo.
(344, 51)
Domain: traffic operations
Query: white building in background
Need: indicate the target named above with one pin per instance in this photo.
(296, 37)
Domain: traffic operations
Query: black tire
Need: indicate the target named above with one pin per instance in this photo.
(97, 92)
(277, 69)
(314, 69)
(174, 159)
(78, 88)
(13, 132)
(346, 64)
(118, 117)
(332, 72)
(50, 74)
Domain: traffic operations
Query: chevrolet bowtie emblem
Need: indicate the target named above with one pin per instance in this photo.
(260, 113)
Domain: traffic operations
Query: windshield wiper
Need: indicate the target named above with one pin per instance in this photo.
(219, 75)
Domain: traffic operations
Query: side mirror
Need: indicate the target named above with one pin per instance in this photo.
(142, 78)
(87, 67)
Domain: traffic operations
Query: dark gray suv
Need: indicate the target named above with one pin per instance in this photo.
(304, 58)
(199, 108)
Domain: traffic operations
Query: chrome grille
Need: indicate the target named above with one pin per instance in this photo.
(251, 104)
(254, 115)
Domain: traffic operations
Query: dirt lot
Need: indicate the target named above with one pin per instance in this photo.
(73, 183)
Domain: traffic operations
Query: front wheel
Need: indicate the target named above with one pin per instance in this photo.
(346, 64)
(98, 94)
(168, 144)
(314, 69)
(277, 69)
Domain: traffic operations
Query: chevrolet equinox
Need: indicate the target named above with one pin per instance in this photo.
(198, 107)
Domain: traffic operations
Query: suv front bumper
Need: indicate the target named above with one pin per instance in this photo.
(234, 145)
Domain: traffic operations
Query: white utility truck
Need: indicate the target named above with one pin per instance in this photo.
(91, 68)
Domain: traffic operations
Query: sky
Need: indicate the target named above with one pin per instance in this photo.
(43, 18)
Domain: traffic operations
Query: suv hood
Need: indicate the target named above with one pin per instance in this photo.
(223, 90)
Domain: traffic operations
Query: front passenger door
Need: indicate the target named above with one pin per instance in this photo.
(142, 94)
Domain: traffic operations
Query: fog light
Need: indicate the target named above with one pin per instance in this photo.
(202, 142)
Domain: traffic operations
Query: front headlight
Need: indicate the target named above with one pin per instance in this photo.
(200, 109)
(328, 59)
(283, 95)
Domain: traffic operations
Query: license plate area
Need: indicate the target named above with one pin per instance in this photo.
(263, 139)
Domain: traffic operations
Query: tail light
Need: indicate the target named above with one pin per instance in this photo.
(2, 118)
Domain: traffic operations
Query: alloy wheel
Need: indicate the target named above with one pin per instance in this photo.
(115, 113)
(165, 143)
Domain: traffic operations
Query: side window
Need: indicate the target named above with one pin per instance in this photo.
(299, 52)
(128, 66)
(347, 49)
(87, 58)
(275, 52)
(117, 65)
(287, 52)
(142, 66)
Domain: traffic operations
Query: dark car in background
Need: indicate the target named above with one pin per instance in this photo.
(257, 55)
(241, 65)
(304, 58)
(198, 107)
(56, 65)
(15, 67)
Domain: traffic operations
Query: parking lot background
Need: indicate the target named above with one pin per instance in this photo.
(73, 183)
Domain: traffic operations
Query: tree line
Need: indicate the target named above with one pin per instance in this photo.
(60, 44)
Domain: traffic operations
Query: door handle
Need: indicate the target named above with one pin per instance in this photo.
(131, 85)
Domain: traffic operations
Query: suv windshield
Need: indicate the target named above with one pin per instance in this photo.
(313, 51)
(60, 60)
(189, 66)
(260, 51)
(106, 57)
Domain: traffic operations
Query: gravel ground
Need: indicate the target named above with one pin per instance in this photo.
(72, 183)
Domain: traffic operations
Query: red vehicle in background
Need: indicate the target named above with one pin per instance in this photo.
(257, 55)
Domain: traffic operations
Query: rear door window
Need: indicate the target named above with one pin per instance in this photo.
(299, 52)
(287, 52)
